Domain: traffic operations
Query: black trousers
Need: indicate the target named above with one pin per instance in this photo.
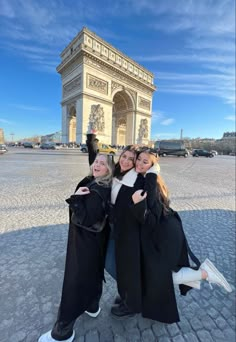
(63, 330)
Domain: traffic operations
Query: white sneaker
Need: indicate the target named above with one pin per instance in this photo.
(93, 314)
(214, 276)
(48, 338)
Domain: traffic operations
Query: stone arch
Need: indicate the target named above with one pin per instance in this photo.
(123, 107)
(111, 92)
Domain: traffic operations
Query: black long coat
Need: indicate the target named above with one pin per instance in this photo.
(84, 268)
(149, 246)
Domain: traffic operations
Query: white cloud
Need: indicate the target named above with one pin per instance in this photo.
(167, 135)
(6, 122)
(230, 117)
(167, 122)
(221, 84)
(28, 107)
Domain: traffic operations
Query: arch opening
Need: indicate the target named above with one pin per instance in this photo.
(122, 111)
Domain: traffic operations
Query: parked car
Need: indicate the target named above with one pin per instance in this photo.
(214, 152)
(202, 153)
(171, 148)
(84, 148)
(3, 148)
(28, 144)
(48, 146)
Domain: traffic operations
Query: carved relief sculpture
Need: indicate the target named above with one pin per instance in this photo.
(143, 129)
(96, 118)
(144, 103)
(72, 86)
(97, 84)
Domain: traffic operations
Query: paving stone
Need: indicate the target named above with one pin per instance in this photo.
(92, 336)
(221, 322)
(204, 336)
(229, 335)
(208, 323)
(159, 329)
(144, 323)
(196, 324)
(190, 337)
(173, 329)
(18, 337)
(106, 335)
(133, 335)
(119, 338)
(164, 339)
(217, 335)
(213, 313)
(148, 336)
(184, 325)
(81, 339)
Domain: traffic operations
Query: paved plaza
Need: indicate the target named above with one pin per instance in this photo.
(33, 237)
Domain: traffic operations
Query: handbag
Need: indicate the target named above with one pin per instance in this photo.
(96, 227)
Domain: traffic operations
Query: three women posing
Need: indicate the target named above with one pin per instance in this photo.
(151, 251)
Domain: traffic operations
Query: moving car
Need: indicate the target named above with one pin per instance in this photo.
(202, 153)
(106, 148)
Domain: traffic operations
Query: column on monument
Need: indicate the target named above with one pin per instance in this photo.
(130, 128)
(65, 125)
(80, 135)
(113, 133)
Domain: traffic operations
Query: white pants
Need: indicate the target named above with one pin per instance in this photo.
(188, 276)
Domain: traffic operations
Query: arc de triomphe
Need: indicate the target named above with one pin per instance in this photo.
(105, 91)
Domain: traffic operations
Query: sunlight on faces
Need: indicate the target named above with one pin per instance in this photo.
(100, 167)
(126, 161)
(143, 163)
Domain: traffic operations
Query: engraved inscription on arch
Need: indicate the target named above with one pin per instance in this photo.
(144, 103)
(97, 84)
(71, 86)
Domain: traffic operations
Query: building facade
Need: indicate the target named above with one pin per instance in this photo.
(1, 136)
(104, 91)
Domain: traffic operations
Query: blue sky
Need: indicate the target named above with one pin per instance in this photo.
(189, 45)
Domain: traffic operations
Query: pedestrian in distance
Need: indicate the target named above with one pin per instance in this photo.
(86, 249)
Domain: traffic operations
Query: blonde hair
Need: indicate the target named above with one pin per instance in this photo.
(106, 179)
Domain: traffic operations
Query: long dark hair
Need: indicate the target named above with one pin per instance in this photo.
(118, 173)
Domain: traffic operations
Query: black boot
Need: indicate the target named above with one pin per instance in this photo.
(121, 310)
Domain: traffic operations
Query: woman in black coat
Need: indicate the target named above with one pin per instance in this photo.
(84, 268)
(152, 252)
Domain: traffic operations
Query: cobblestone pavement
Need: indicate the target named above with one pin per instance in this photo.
(33, 236)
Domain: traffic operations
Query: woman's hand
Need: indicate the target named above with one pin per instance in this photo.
(83, 190)
(137, 197)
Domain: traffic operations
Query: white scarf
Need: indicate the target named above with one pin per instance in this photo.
(128, 180)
